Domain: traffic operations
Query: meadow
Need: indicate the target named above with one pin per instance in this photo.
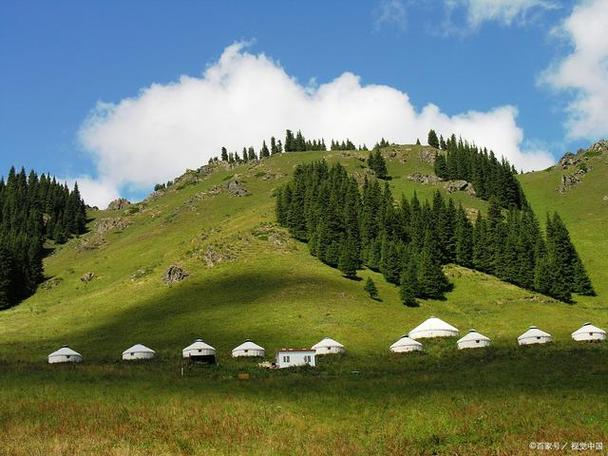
(248, 279)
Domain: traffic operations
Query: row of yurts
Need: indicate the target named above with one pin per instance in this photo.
(432, 327)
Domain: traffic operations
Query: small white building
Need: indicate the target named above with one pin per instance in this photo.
(199, 351)
(406, 345)
(473, 339)
(290, 357)
(433, 327)
(534, 336)
(328, 346)
(65, 355)
(248, 349)
(588, 332)
(138, 351)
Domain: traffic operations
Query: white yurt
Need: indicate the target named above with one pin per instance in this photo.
(65, 355)
(473, 339)
(199, 351)
(328, 346)
(138, 351)
(534, 336)
(406, 344)
(433, 327)
(248, 349)
(588, 332)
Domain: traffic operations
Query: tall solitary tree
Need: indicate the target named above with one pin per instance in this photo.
(432, 139)
(370, 288)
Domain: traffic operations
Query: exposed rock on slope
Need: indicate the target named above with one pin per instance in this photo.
(237, 188)
(174, 274)
(118, 204)
(424, 178)
(460, 186)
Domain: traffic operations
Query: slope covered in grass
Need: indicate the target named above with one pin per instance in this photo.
(248, 279)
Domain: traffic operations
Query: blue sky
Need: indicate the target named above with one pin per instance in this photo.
(59, 59)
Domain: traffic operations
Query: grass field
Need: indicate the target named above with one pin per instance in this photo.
(268, 288)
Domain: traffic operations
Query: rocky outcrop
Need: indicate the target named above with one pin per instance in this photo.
(570, 180)
(569, 159)
(118, 204)
(110, 224)
(460, 186)
(600, 147)
(174, 274)
(87, 277)
(236, 188)
(428, 155)
(424, 178)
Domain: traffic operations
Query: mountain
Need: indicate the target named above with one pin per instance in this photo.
(242, 276)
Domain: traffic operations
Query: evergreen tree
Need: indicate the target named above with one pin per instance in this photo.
(432, 283)
(370, 288)
(273, 146)
(8, 292)
(464, 239)
(264, 152)
(377, 164)
(224, 154)
(349, 258)
(289, 141)
(432, 139)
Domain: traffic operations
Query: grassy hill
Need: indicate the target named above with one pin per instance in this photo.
(248, 279)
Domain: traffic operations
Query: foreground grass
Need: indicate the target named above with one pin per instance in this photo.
(492, 401)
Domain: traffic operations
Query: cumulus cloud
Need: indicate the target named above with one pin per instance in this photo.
(95, 192)
(584, 71)
(505, 12)
(244, 98)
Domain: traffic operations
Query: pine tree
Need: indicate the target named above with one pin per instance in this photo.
(464, 239)
(273, 146)
(370, 288)
(7, 280)
(432, 283)
(349, 259)
(289, 141)
(377, 164)
(432, 139)
(409, 288)
(264, 152)
(224, 154)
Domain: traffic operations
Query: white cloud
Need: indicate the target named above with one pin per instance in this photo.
(95, 192)
(505, 12)
(390, 12)
(584, 72)
(244, 98)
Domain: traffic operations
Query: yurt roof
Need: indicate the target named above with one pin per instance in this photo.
(138, 348)
(405, 341)
(65, 351)
(327, 342)
(434, 324)
(248, 345)
(473, 335)
(533, 331)
(198, 344)
(587, 328)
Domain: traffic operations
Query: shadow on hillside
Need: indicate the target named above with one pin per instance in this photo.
(178, 315)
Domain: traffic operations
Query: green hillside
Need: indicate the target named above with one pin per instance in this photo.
(249, 279)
